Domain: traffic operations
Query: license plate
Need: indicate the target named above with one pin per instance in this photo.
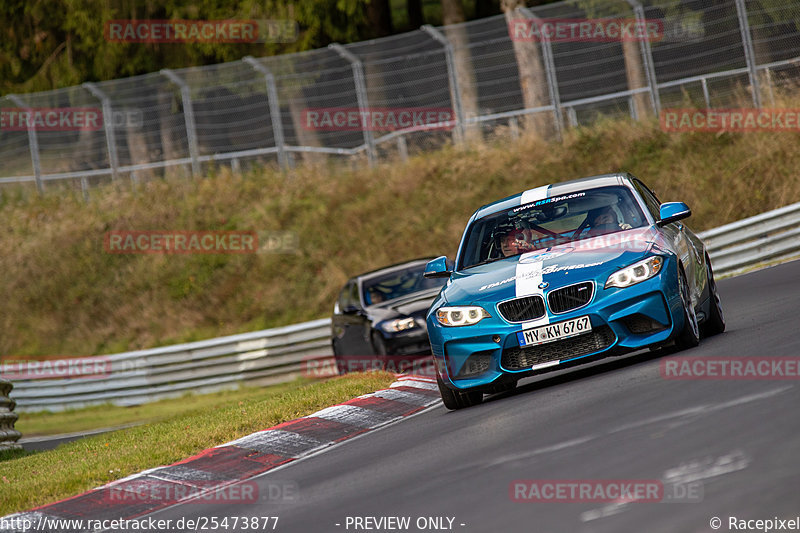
(554, 332)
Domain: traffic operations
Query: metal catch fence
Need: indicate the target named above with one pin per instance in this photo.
(489, 74)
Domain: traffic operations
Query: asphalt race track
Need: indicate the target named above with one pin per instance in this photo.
(733, 443)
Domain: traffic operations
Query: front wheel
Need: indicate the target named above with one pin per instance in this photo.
(341, 364)
(458, 399)
(689, 337)
(380, 351)
(715, 323)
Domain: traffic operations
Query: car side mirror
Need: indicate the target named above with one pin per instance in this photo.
(437, 268)
(673, 211)
(351, 310)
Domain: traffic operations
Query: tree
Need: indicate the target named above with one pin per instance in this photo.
(453, 13)
(486, 8)
(532, 75)
(379, 18)
(415, 15)
(48, 44)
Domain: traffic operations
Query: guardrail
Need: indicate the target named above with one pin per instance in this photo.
(278, 355)
(770, 236)
(131, 378)
(8, 435)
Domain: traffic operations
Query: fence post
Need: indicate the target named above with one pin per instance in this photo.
(749, 53)
(402, 147)
(550, 72)
(85, 188)
(108, 125)
(361, 95)
(572, 115)
(771, 93)
(274, 109)
(706, 95)
(632, 109)
(188, 115)
(455, 90)
(33, 144)
(513, 128)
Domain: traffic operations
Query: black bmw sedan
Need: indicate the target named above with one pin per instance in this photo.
(379, 319)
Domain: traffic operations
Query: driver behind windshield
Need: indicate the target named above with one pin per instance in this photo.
(604, 220)
(515, 242)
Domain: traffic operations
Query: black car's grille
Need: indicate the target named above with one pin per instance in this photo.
(522, 309)
(521, 358)
(572, 297)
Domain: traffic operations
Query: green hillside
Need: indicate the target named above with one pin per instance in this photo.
(64, 295)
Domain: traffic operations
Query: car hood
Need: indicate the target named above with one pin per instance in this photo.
(415, 304)
(589, 259)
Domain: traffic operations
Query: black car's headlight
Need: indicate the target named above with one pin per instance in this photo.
(398, 324)
(635, 273)
(463, 315)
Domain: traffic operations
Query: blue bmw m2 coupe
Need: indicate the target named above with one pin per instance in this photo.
(565, 274)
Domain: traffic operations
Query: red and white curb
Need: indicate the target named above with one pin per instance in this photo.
(238, 460)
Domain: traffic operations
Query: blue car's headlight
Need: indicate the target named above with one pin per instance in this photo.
(399, 324)
(636, 273)
(465, 315)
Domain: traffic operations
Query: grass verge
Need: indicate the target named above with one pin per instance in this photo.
(63, 295)
(104, 416)
(31, 480)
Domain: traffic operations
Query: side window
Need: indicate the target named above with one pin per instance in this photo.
(345, 300)
(649, 198)
(353, 298)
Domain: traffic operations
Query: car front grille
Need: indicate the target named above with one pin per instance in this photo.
(521, 358)
(571, 297)
(522, 309)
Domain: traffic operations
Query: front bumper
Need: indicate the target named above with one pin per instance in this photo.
(413, 342)
(488, 353)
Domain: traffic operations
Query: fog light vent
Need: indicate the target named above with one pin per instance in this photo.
(477, 363)
(643, 325)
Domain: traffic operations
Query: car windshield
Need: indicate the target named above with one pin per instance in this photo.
(397, 284)
(550, 222)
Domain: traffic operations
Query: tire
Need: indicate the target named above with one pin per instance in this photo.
(454, 400)
(377, 343)
(689, 337)
(714, 323)
(379, 349)
(341, 366)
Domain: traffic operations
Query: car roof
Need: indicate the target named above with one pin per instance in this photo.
(557, 189)
(394, 268)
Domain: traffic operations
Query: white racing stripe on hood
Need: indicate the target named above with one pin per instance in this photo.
(529, 274)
